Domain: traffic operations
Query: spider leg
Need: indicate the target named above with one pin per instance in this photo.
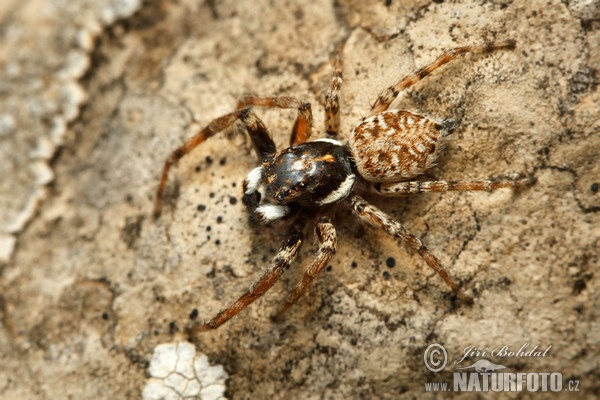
(389, 95)
(259, 134)
(281, 262)
(326, 234)
(332, 98)
(302, 126)
(257, 131)
(405, 188)
(374, 216)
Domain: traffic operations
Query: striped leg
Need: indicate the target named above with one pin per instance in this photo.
(281, 262)
(302, 126)
(389, 95)
(378, 218)
(327, 237)
(256, 129)
(332, 98)
(405, 188)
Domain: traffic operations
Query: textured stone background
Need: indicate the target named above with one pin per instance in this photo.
(95, 97)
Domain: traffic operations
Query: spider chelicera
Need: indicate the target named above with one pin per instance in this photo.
(307, 180)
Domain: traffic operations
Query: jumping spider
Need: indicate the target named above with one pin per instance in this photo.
(305, 181)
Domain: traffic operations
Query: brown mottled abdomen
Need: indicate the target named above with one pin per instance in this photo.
(396, 145)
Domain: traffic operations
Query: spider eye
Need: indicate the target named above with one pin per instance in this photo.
(300, 187)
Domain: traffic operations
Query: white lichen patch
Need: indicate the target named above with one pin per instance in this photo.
(178, 372)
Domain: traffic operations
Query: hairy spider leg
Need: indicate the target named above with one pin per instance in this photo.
(332, 97)
(327, 237)
(281, 263)
(261, 139)
(302, 128)
(405, 188)
(375, 217)
(389, 95)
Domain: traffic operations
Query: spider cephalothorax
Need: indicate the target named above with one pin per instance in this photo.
(310, 174)
(386, 151)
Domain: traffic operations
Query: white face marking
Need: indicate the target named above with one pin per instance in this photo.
(270, 212)
(329, 140)
(342, 191)
(253, 180)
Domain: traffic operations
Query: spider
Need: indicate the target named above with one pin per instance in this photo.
(307, 180)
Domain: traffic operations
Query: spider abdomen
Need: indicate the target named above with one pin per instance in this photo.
(396, 145)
